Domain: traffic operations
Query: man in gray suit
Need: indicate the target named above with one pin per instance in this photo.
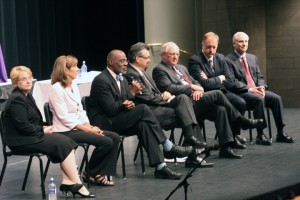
(252, 88)
(167, 108)
(213, 105)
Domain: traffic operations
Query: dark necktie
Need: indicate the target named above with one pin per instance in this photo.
(250, 81)
(181, 75)
(211, 64)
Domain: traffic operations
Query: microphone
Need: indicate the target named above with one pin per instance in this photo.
(130, 80)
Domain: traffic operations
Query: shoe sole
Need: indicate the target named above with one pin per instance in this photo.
(265, 144)
(163, 177)
(235, 157)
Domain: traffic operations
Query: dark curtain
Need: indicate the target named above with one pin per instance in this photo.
(34, 32)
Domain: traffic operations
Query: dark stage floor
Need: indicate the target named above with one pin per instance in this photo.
(263, 169)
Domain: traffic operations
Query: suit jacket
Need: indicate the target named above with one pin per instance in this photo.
(198, 63)
(23, 122)
(237, 70)
(167, 80)
(150, 95)
(106, 99)
(66, 107)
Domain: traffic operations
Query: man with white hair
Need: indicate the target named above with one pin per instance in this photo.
(253, 89)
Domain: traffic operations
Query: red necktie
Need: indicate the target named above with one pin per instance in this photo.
(182, 76)
(250, 81)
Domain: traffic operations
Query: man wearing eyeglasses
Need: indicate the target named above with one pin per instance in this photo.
(170, 110)
(213, 105)
(111, 100)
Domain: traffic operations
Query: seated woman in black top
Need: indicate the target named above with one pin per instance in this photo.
(26, 132)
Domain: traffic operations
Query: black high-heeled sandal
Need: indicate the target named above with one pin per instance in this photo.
(69, 188)
(75, 190)
(102, 181)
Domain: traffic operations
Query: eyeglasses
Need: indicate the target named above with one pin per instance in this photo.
(145, 57)
(173, 54)
(122, 61)
(29, 79)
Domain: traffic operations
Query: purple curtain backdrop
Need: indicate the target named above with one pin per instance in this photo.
(3, 75)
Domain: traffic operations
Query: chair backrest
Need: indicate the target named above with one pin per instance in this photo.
(85, 103)
(48, 113)
(2, 130)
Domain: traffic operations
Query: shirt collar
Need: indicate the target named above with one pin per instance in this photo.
(137, 69)
(207, 58)
(240, 55)
(113, 74)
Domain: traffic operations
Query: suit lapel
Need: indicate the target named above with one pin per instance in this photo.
(250, 65)
(33, 104)
(170, 72)
(240, 66)
(152, 83)
(112, 80)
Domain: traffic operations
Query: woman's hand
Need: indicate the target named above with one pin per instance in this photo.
(96, 130)
(48, 129)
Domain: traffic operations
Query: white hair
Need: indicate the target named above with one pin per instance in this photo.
(168, 45)
(239, 34)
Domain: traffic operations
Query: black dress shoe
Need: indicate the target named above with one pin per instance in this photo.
(263, 140)
(284, 138)
(237, 145)
(228, 153)
(166, 173)
(178, 151)
(212, 147)
(190, 163)
(250, 123)
(195, 142)
(241, 139)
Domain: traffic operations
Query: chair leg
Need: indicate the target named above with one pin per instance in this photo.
(204, 131)
(86, 159)
(3, 169)
(121, 150)
(136, 152)
(46, 169)
(42, 177)
(180, 139)
(269, 124)
(26, 173)
(142, 158)
(172, 139)
(250, 130)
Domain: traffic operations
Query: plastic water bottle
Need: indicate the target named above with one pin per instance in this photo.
(52, 190)
(83, 70)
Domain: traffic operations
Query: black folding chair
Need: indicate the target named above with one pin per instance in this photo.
(7, 153)
(268, 121)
